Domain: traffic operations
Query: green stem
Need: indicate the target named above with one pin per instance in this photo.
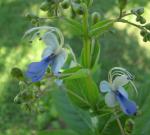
(86, 40)
(119, 124)
(125, 21)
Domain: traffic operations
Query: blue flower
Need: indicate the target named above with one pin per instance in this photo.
(117, 94)
(53, 55)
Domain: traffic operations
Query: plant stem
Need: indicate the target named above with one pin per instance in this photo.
(125, 21)
(86, 40)
(119, 124)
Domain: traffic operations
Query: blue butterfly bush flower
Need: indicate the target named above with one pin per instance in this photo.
(116, 94)
(54, 55)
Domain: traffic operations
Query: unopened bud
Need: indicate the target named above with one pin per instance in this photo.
(138, 11)
(142, 20)
(30, 16)
(147, 26)
(80, 10)
(129, 125)
(95, 17)
(44, 6)
(65, 4)
(17, 73)
(143, 32)
(145, 39)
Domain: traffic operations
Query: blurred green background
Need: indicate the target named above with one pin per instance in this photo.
(124, 47)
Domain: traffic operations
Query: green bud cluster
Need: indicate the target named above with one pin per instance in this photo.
(52, 6)
(24, 96)
(147, 26)
(146, 35)
(33, 18)
(138, 13)
(141, 19)
(78, 9)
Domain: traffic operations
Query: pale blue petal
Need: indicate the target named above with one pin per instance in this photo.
(59, 61)
(110, 99)
(127, 106)
(120, 81)
(104, 86)
(47, 52)
(36, 70)
(50, 40)
(123, 92)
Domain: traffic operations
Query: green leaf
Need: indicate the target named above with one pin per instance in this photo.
(58, 132)
(74, 25)
(100, 27)
(82, 90)
(71, 70)
(95, 54)
(122, 4)
(142, 123)
(77, 119)
(79, 74)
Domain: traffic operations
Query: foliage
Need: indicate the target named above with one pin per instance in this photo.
(73, 79)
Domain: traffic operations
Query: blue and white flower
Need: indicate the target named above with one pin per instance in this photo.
(118, 77)
(54, 55)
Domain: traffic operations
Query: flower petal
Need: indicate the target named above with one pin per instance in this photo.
(123, 92)
(104, 86)
(110, 99)
(59, 61)
(50, 40)
(127, 106)
(47, 52)
(120, 81)
(36, 70)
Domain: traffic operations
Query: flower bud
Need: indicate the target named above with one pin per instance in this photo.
(148, 36)
(142, 20)
(138, 11)
(145, 39)
(138, 18)
(79, 10)
(44, 6)
(34, 21)
(95, 17)
(143, 32)
(147, 26)
(17, 100)
(17, 73)
(122, 4)
(30, 16)
(65, 4)
(129, 125)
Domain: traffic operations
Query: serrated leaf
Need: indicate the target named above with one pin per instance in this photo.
(100, 27)
(77, 119)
